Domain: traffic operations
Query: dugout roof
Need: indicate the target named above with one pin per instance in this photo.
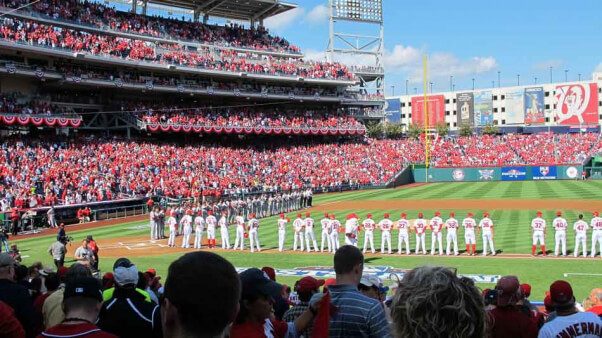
(233, 9)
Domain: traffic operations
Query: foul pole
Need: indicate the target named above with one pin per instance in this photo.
(426, 120)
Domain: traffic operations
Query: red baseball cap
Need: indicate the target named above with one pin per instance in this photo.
(486, 214)
(437, 213)
(299, 215)
(403, 214)
(152, 271)
(559, 213)
(539, 213)
(561, 293)
(325, 214)
(508, 289)
(369, 215)
(307, 214)
(330, 281)
(270, 272)
(525, 289)
(309, 283)
(420, 215)
(451, 214)
(386, 215)
(281, 215)
(332, 216)
(596, 213)
(470, 214)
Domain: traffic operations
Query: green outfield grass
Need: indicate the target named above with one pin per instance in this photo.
(512, 235)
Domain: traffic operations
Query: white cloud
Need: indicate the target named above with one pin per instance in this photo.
(284, 20)
(317, 15)
(544, 65)
(599, 68)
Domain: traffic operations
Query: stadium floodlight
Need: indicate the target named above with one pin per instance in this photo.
(358, 10)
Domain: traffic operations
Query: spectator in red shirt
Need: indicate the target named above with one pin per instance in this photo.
(507, 320)
(94, 248)
(81, 303)
(595, 299)
(255, 319)
(10, 327)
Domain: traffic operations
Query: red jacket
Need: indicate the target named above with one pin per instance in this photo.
(79, 330)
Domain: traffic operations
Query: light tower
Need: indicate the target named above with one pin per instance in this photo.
(349, 21)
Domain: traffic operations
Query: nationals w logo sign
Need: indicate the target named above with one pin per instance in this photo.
(577, 104)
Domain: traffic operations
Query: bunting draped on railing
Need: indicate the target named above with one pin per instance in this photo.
(158, 127)
(38, 121)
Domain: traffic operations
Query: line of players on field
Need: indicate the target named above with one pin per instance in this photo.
(304, 236)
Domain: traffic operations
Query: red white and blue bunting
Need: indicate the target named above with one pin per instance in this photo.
(158, 127)
(38, 121)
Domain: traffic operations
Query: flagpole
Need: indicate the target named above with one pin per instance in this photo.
(426, 120)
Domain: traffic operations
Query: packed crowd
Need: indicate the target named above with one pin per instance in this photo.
(243, 117)
(204, 295)
(99, 15)
(34, 173)
(30, 32)
(15, 103)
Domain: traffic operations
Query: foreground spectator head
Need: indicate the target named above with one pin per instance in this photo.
(348, 265)
(435, 302)
(125, 273)
(508, 291)
(307, 287)
(561, 294)
(369, 286)
(52, 281)
(257, 299)
(7, 266)
(202, 294)
(595, 300)
(270, 272)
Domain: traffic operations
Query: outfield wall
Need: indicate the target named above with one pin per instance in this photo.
(513, 173)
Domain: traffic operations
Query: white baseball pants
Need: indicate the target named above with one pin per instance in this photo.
(488, 240)
(369, 238)
(560, 238)
(309, 238)
(225, 238)
(421, 241)
(298, 236)
(451, 237)
(538, 237)
(281, 239)
(385, 240)
(254, 239)
(198, 239)
(403, 238)
(596, 238)
(240, 238)
(580, 239)
(436, 237)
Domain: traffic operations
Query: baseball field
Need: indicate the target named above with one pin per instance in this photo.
(512, 206)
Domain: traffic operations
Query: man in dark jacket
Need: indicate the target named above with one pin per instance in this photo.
(127, 311)
(15, 295)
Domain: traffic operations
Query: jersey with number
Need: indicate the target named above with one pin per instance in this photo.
(253, 224)
(580, 227)
(385, 224)
(452, 225)
(420, 225)
(486, 225)
(436, 224)
(335, 224)
(538, 224)
(309, 224)
(351, 226)
(282, 223)
(199, 223)
(403, 225)
(469, 225)
(368, 224)
(173, 224)
(325, 222)
(298, 224)
(211, 222)
(596, 223)
(560, 224)
(186, 221)
(222, 223)
(240, 221)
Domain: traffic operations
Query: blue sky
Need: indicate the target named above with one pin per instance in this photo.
(468, 39)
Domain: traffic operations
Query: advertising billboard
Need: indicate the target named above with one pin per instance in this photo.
(534, 105)
(436, 109)
(576, 104)
(544, 173)
(514, 107)
(465, 108)
(514, 173)
(483, 108)
(392, 105)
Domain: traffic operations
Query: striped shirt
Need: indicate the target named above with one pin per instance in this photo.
(357, 315)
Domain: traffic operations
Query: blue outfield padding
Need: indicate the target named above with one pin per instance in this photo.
(514, 173)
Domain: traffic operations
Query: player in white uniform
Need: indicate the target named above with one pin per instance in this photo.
(199, 227)
(173, 229)
(470, 225)
(254, 233)
(385, 227)
(368, 225)
(334, 235)
(351, 227)
(186, 224)
(309, 233)
(298, 225)
(596, 224)
(281, 232)
(239, 242)
(211, 222)
(223, 229)
(325, 222)
(420, 228)
(403, 225)
(436, 226)
(486, 225)
(560, 225)
(154, 223)
(580, 228)
(451, 224)
(538, 232)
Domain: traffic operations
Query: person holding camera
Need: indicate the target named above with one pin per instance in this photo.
(58, 250)
(84, 254)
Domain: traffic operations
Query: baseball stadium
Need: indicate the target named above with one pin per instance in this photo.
(149, 130)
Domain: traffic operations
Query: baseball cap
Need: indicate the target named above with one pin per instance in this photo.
(470, 214)
(486, 214)
(525, 290)
(330, 281)
(420, 215)
(307, 214)
(539, 213)
(559, 213)
(596, 213)
(451, 214)
(270, 272)
(325, 214)
(370, 281)
(255, 281)
(125, 272)
(386, 215)
(508, 289)
(403, 214)
(299, 215)
(6, 260)
(88, 287)
(152, 271)
(309, 283)
(491, 296)
(437, 213)
(561, 293)
(369, 216)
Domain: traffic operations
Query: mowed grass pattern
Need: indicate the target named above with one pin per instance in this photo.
(512, 234)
